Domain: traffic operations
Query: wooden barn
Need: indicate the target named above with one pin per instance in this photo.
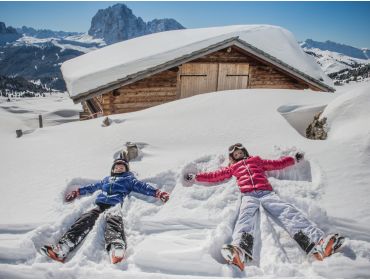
(162, 67)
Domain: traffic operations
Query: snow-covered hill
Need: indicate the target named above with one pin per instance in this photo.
(182, 238)
(342, 63)
(332, 62)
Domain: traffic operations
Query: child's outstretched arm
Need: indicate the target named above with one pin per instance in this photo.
(146, 189)
(91, 188)
(281, 163)
(215, 176)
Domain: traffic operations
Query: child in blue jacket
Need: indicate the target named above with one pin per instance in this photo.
(113, 189)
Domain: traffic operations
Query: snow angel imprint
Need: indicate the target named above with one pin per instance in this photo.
(113, 190)
(256, 190)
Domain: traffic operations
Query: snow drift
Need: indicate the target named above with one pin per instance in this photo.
(183, 237)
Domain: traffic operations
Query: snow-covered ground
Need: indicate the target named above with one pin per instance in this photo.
(23, 113)
(182, 238)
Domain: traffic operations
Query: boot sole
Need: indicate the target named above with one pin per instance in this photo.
(116, 260)
(48, 252)
(333, 246)
(232, 258)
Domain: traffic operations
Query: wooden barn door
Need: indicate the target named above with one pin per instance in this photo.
(233, 76)
(197, 78)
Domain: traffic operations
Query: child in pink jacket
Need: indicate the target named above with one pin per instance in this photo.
(256, 190)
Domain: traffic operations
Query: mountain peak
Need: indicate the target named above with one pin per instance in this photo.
(6, 30)
(118, 23)
(8, 34)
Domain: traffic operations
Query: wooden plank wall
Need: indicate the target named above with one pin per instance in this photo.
(162, 87)
(261, 75)
(192, 80)
(157, 89)
(233, 76)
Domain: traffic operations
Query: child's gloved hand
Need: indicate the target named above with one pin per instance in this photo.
(189, 177)
(164, 196)
(299, 156)
(72, 195)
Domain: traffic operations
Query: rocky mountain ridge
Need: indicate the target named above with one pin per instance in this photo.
(8, 34)
(38, 54)
(44, 33)
(118, 23)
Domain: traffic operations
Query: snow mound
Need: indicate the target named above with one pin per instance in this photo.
(300, 116)
(348, 116)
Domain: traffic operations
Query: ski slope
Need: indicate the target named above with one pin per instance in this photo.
(182, 238)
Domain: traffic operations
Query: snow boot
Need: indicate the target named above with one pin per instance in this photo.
(327, 246)
(56, 252)
(246, 245)
(234, 255)
(117, 252)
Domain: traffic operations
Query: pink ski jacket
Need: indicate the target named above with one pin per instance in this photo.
(249, 173)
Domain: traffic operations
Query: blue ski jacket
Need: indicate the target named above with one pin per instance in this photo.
(116, 188)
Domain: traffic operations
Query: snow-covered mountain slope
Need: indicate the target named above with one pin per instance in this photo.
(347, 50)
(332, 62)
(82, 42)
(182, 238)
(342, 63)
(40, 58)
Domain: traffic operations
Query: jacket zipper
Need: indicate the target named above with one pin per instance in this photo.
(250, 175)
(110, 191)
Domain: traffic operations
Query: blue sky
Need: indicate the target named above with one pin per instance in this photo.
(343, 22)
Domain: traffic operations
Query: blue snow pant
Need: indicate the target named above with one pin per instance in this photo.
(304, 231)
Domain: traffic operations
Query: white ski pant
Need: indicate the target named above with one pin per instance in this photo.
(292, 219)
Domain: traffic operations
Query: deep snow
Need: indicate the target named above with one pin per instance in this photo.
(182, 238)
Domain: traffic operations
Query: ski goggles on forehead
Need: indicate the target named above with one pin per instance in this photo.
(234, 147)
(120, 162)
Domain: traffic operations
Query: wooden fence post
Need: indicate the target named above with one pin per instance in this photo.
(40, 121)
(19, 133)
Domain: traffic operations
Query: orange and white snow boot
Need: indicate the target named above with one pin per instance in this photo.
(56, 252)
(117, 253)
(235, 255)
(327, 246)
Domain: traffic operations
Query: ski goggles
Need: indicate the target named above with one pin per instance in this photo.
(238, 146)
(120, 162)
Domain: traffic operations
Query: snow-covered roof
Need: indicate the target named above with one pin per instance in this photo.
(115, 63)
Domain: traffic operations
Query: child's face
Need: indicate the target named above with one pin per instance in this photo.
(119, 168)
(238, 154)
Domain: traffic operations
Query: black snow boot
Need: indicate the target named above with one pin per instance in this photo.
(246, 244)
(304, 242)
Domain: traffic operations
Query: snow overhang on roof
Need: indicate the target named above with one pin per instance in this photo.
(128, 61)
